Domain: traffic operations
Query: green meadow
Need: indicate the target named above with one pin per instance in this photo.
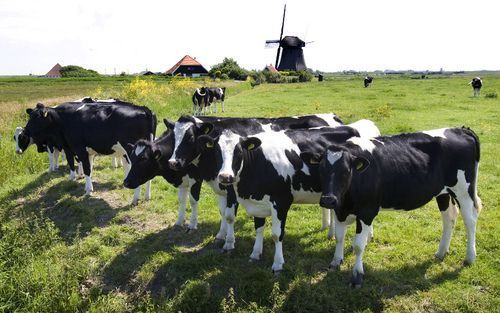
(61, 251)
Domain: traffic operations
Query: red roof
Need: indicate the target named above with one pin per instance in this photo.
(55, 71)
(186, 60)
(271, 68)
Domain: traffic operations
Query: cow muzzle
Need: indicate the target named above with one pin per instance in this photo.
(174, 164)
(19, 151)
(225, 179)
(329, 202)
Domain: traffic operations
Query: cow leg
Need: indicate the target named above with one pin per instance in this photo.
(71, 164)
(182, 198)
(114, 162)
(230, 216)
(469, 214)
(147, 191)
(340, 231)
(55, 162)
(222, 105)
(259, 224)
(449, 214)
(359, 245)
(325, 218)
(80, 169)
(85, 159)
(277, 233)
(51, 160)
(221, 235)
(194, 197)
(194, 108)
(331, 226)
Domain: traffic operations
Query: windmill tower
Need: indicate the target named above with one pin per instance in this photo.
(290, 48)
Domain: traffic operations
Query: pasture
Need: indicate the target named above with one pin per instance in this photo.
(61, 251)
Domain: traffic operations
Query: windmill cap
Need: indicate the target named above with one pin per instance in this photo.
(292, 41)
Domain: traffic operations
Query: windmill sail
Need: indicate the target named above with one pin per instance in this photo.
(281, 37)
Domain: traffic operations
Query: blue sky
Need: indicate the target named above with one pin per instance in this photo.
(132, 36)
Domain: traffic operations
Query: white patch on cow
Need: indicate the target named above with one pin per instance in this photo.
(333, 157)
(329, 118)
(266, 127)
(274, 144)
(227, 142)
(180, 130)
(139, 149)
(364, 143)
(436, 132)
(305, 169)
(365, 128)
(81, 107)
(91, 151)
(17, 132)
(106, 100)
(258, 208)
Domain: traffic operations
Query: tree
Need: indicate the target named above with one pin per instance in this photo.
(230, 68)
(77, 71)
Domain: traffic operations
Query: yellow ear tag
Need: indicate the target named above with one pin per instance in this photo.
(251, 146)
(45, 113)
(313, 161)
(207, 130)
(359, 165)
(210, 144)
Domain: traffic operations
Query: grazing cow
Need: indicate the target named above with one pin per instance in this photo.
(368, 81)
(269, 179)
(215, 95)
(93, 128)
(476, 83)
(401, 172)
(200, 100)
(149, 159)
(188, 129)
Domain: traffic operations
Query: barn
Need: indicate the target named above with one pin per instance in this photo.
(55, 72)
(187, 66)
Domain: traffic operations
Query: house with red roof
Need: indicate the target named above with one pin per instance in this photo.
(187, 66)
(55, 72)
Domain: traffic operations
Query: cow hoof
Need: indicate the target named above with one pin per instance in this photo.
(439, 257)
(190, 230)
(330, 236)
(277, 272)
(357, 281)
(467, 263)
(253, 260)
(135, 202)
(228, 251)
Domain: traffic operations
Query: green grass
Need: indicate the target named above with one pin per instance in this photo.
(61, 251)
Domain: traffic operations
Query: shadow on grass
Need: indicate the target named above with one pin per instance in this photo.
(309, 286)
(64, 203)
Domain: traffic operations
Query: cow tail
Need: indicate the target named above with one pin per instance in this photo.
(477, 151)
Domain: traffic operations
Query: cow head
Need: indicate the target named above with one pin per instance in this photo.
(186, 131)
(336, 166)
(144, 162)
(41, 119)
(233, 149)
(22, 140)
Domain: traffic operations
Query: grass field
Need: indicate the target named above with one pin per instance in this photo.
(61, 251)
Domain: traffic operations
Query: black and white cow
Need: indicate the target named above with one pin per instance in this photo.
(268, 175)
(92, 128)
(200, 101)
(216, 94)
(188, 150)
(150, 159)
(368, 81)
(402, 172)
(476, 83)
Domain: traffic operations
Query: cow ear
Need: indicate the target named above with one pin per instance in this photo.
(40, 105)
(157, 154)
(205, 142)
(360, 164)
(205, 128)
(311, 158)
(250, 143)
(170, 125)
(29, 111)
(130, 146)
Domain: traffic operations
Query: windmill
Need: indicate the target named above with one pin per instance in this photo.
(290, 48)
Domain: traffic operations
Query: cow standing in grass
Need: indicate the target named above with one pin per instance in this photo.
(368, 81)
(402, 172)
(476, 84)
(200, 100)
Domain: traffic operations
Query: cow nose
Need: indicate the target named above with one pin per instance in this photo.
(225, 178)
(329, 202)
(174, 164)
(19, 151)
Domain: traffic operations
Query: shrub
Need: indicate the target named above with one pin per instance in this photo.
(305, 76)
(77, 71)
(230, 68)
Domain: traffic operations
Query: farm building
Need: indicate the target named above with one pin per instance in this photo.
(54, 72)
(187, 66)
(270, 68)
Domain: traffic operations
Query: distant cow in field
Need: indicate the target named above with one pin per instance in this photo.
(200, 100)
(368, 81)
(216, 95)
(476, 83)
(402, 172)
